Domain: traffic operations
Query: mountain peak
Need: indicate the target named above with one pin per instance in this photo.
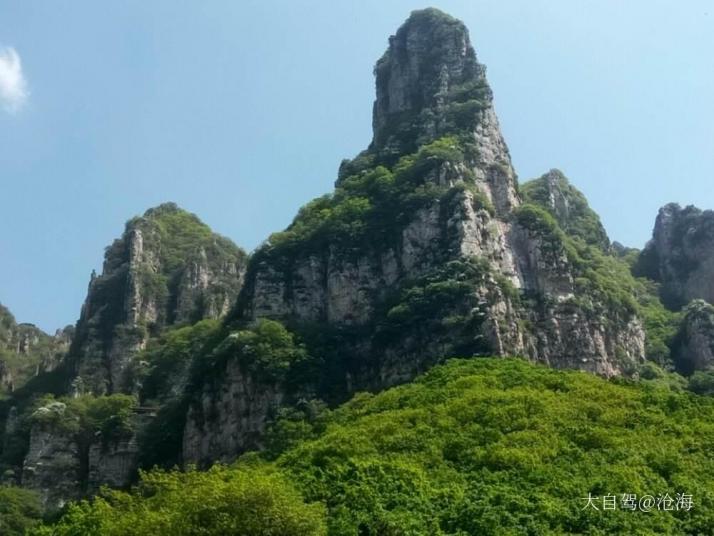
(554, 192)
(428, 82)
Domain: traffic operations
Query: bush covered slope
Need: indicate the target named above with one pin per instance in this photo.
(480, 446)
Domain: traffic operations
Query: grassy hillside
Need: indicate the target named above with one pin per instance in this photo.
(480, 446)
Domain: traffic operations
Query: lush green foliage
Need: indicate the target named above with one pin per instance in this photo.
(160, 367)
(539, 221)
(86, 416)
(175, 238)
(482, 446)
(661, 324)
(178, 231)
(495, 447)
(217, 502)
(19, 510)
(443, 302)
(702, 382)
(265, 348)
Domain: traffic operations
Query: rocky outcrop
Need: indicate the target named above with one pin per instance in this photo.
(53, 464)
(681, 255)
(429, 84)
(72, 454)
(111, 463)
(167, 268)
(554, 192)
(694, 344)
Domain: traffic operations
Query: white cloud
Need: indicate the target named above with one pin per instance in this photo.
(13, 87)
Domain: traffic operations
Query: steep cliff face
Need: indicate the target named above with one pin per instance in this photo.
(694, 344)
(77, 445)
(26, 351)
(681, 254)
(52, 468)
(425, 250)
(167, 268)
(456, 199)
(230, 416)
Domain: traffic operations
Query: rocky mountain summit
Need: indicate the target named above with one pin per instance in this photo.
(167, 268)
(187, 351)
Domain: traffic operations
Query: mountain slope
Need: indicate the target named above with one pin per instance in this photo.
(480, 446)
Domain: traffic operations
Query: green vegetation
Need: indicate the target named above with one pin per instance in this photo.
(161, 368)
(444, 304)
(661, 324)
(265, 348)
(604, 284)
(176, 238)
(173, 370)
(702, 382)
(86, 417)
(19, 511)
(539, 221)
(480, 446)
(217, 502)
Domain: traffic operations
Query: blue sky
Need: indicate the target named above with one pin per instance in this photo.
(241, 112)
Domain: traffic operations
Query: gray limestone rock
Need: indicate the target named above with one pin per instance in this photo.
(681, 254)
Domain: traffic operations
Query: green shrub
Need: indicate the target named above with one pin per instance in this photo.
(86, 416)
(265, 348)
(20, 510)
(702, 382)
(213, 503)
